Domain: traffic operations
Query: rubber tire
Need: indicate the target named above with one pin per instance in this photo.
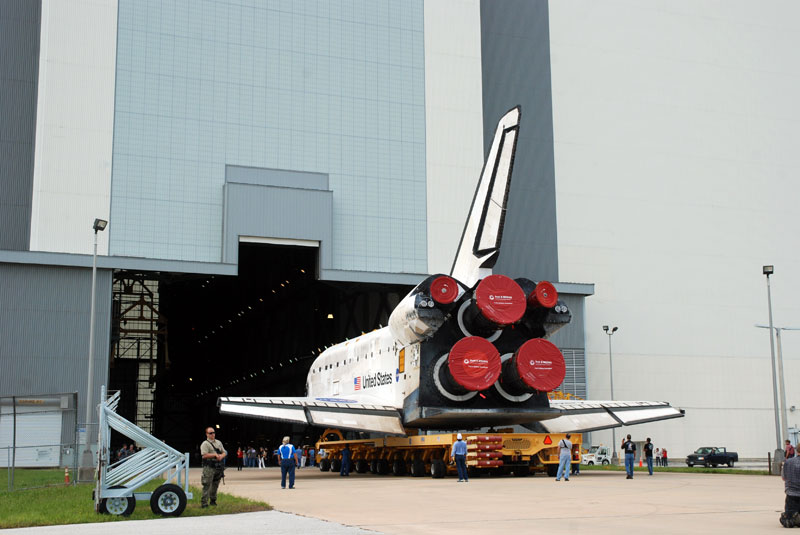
(730, 464)
(705, 465)
(590, 463)
(399, 467)
(382, 467)
(336, 465)
(172, 492)
(522, 471)
(373, 466)
(713, 465)
(362, 466)
(690, 465)
(438, 469)
(552, 470)
(606, 462)
(131, 505)
(417, 468)
(324, 465)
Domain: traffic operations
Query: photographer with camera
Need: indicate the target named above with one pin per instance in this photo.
(213, 454)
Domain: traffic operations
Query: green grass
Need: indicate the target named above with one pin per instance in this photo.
(680, 469)
(73, 504)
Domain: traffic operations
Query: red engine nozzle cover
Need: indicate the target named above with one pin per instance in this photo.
(500, 299)
(540, 365)
(474, 363)
(444, 290)
(544, 295)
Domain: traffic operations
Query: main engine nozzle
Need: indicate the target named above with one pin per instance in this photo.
(497, 302)
(536, 365)
(473, 364)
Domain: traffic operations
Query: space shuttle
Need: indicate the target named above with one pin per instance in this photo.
(461, 351)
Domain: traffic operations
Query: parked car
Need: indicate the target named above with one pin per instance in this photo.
(712, 456)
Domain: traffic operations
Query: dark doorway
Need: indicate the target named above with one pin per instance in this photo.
(255, 334)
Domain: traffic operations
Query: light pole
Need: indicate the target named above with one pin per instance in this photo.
(781, 378)
(611, 375)
(88, 461)
(778, 458)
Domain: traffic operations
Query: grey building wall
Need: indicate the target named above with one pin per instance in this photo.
(515, 48)
(275, 203)
(44, 330)
(19, 75)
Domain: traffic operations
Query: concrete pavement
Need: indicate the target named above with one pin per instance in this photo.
(593, 502)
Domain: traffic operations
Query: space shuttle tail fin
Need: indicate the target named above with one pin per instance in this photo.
(483, 231)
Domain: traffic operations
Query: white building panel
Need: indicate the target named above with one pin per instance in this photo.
(453, 122)
(676, 134)
(74, 124)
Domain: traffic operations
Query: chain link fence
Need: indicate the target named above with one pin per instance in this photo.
(40, 440)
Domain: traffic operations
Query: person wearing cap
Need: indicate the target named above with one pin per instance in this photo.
(459, 453)
(564, 458)
(288, 456)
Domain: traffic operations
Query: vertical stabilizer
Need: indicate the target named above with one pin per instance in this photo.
(480, 241)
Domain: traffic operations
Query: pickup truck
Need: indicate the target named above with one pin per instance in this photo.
(712, 456)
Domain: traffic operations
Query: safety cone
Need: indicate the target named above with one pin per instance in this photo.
(640, 462)
(66, 476)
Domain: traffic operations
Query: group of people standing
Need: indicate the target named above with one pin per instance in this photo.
(249, 457)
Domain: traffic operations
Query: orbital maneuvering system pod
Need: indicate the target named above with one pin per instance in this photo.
(461, 351)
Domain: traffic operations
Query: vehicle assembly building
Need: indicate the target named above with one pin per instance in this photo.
(276, 176)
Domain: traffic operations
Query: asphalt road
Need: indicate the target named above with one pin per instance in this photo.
(592, 502)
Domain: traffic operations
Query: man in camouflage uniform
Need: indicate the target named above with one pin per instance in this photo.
(212, 452)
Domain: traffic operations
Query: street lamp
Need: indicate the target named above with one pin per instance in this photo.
(611, 375)
(781, 377)
(767, 271)
(88, 462)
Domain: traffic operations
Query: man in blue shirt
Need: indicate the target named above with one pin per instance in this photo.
(345, 470)
(288, 456)
(459, 453)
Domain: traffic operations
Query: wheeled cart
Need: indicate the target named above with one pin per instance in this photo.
(117, 482)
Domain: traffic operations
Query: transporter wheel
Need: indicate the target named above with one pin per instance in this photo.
(383, 467)
(168, 500)
(605, 462)
(417, 468)
(324, 465)
(552, 470)
(399, 467)
(336, 465)
(373, 466)
(730, 464)
(438, 469)
(362, 466)
(522, 471)
(118, 506)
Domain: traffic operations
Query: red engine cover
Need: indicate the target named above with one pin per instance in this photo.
(474, 363)
(540, 364)
(500, 299)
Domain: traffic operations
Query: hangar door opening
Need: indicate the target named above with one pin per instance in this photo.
(179, 341)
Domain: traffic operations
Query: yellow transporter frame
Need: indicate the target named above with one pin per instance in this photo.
(419, 455)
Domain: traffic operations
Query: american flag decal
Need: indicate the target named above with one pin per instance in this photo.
(357, 383)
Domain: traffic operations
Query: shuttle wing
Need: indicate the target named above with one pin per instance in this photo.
(583, 416)
(361, 413)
